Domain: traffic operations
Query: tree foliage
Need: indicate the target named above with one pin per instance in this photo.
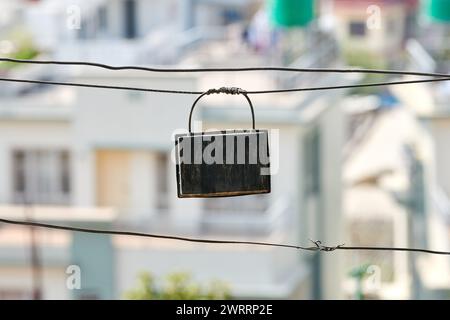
(176, 286)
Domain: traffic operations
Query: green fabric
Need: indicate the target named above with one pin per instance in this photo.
(438, 9)
(291, 13)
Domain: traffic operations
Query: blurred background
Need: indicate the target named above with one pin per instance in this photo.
(360, 167)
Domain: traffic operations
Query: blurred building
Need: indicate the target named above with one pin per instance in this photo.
(372, 33)
(430, 52)
(379, 177)
(403, 192)
(102, 158)
(137, 31)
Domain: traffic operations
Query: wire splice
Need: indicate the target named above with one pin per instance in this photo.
(321, 247)
(226, 90)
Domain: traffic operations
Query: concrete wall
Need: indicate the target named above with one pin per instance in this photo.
(392, 22)
(331, 223)
(18, 279)
(149, 14)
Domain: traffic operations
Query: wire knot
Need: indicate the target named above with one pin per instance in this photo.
(226, 90)
(321, 247)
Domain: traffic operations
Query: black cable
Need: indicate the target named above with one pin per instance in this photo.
(242, 69)
(393, 249)
(352, 86)
(148, 235)
(98, 86)
(317, 244)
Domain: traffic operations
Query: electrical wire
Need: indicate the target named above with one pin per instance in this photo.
(316, 247)
(99, 86)
(239, 69)
(148, 235)
(441, 76)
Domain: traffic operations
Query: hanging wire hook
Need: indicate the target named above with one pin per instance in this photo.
(226, 90)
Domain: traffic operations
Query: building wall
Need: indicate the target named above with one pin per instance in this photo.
(16, 281)
(374, 43)
(94, 255)
(440, 130)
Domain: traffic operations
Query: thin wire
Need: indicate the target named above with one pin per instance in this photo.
(241, 69)
(394, 249)
(317, 244)
(98, 86)
(149, 235)
(363, 85)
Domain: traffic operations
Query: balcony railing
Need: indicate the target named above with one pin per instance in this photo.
(221, 222)
(432, 58)
(429, 57)
(321, 52)
(161, 46)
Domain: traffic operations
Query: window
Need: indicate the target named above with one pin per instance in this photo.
(357, 28)
(312, 214)
(162, 187)
(130, 19)
(82, 31)
(65, 172)
(135, 96)
(41, 176)
(102, 18)
(19, 172)
(391, 27)
(312, 162)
